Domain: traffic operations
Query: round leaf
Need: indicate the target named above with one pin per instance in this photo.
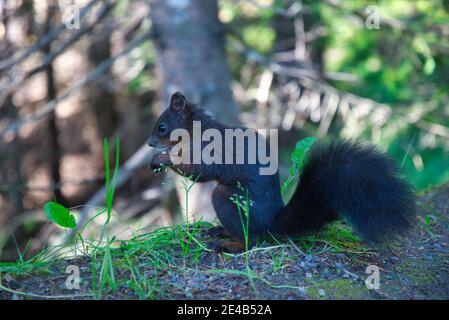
(60, 215)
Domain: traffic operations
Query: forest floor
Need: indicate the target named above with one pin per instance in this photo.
(174, 263)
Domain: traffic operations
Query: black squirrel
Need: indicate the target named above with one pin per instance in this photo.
(344, 179)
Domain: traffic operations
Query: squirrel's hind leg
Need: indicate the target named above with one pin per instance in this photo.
(220, 246)
(228, 214)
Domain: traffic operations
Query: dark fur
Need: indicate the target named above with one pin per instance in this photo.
(354, 181)
(345, 179)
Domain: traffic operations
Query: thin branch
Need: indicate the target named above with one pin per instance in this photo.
(44, 41)
(433, 128)
(388, 21)
(14, 127)
(48, 59)
(75, 36)
(54, 186)
(290, 12)
(140, 158)
(393, 23)
(118, 134)
(311, 83)
(309, 79)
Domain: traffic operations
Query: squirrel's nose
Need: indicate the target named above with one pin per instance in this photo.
(150, 142)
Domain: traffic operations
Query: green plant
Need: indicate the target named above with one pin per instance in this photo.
(60, 215)
(336, 237)
(243, 204)
(278, 260)
(299, 158)
(107, 276)
(429, 221)
(187, 184)
(190, 230)
(110, 185)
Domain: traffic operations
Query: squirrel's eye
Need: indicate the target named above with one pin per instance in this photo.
(162, 128)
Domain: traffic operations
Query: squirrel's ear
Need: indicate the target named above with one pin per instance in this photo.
(177, 102)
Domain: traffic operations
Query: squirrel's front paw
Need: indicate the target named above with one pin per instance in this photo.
(159, 161)
(155, 166)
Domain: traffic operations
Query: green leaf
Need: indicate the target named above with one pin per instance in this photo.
(429, 66)
(60, 215)
(299, 157)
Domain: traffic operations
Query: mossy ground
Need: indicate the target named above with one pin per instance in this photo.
(175, 263)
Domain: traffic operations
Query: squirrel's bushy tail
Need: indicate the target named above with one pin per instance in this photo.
(354, 181)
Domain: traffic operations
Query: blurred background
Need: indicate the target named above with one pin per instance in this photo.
(75, 72)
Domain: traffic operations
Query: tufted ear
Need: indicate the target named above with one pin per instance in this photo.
(177, 102)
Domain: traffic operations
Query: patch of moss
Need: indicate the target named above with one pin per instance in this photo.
(338, 289)
(338, 236)
(418, 272)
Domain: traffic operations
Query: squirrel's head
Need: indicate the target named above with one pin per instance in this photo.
(176, 116)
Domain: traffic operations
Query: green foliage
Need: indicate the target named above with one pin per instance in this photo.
(261, 38)
(299, 158)
(60, 215)
(107, 277)
(110, 185)
(404, 67)
(423, 167)
(243, 203)
(404, 64)
(336, 237)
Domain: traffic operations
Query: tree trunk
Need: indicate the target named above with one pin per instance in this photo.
(189, 42)
(55, 155)
(100, 95)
